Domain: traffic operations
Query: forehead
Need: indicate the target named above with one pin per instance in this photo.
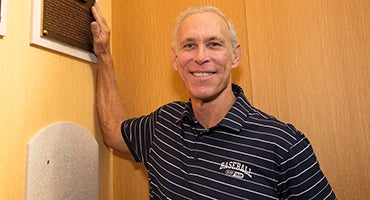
(203, 24)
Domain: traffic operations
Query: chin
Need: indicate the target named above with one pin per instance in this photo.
(203, 95)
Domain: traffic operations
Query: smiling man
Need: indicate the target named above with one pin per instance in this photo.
(204, 56)
(217, 145)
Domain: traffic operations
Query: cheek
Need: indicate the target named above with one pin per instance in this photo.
(224, 61)
(184, 59)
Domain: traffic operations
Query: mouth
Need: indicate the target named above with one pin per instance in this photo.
(202, 74)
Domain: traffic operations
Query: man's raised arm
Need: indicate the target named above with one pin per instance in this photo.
(108, 98)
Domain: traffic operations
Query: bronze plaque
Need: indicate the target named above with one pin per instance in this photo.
(68, 21)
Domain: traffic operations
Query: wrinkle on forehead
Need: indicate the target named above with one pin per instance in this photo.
(204, 25)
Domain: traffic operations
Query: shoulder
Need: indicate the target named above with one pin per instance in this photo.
(281, 135)
(260, 126)
(174, 111)
(176, 106)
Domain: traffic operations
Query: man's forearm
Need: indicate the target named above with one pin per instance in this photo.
(108, 98)
(109, 104)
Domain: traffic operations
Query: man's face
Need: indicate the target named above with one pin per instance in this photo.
(204, 57)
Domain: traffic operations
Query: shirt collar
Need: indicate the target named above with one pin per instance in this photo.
(233, 120)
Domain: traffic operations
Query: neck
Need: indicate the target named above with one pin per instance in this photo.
(210, 113)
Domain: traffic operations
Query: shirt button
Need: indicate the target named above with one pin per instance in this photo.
(200, 138)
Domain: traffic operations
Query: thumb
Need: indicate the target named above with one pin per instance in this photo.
(95, 29)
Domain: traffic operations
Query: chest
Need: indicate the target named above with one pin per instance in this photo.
(208, 162)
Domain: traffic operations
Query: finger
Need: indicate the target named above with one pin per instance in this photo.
(94, 10)
(97, 14)
(95, 28)
(98, 9)
(99, 17)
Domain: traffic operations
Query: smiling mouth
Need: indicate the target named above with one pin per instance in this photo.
(202, 74)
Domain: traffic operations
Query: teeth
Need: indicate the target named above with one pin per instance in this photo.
(203, 74)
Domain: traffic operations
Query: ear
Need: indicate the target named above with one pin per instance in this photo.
(174, 59)
(236, 56)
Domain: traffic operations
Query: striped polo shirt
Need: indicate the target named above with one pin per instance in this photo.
(248, 155)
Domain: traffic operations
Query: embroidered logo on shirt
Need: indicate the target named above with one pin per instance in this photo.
(236, 169)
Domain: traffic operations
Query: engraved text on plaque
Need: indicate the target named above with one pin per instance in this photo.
(68, 21)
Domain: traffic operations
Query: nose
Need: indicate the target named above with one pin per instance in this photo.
(201, 54)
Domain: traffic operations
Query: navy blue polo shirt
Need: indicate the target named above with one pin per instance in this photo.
(248, 155)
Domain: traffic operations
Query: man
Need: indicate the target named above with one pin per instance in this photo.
(216, 146)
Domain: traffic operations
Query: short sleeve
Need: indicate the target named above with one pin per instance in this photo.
(301, 176)
(137, 133)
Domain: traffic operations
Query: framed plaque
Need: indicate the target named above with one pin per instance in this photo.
(3, 9)
(64, 26)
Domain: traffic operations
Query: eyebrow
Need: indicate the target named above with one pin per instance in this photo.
(187, 40)
(213, 38)
(217, 39)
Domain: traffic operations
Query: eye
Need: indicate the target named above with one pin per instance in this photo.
(189, 46)
(214, 45)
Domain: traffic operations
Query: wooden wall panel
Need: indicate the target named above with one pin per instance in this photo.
(310, 66)
(142, 37)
